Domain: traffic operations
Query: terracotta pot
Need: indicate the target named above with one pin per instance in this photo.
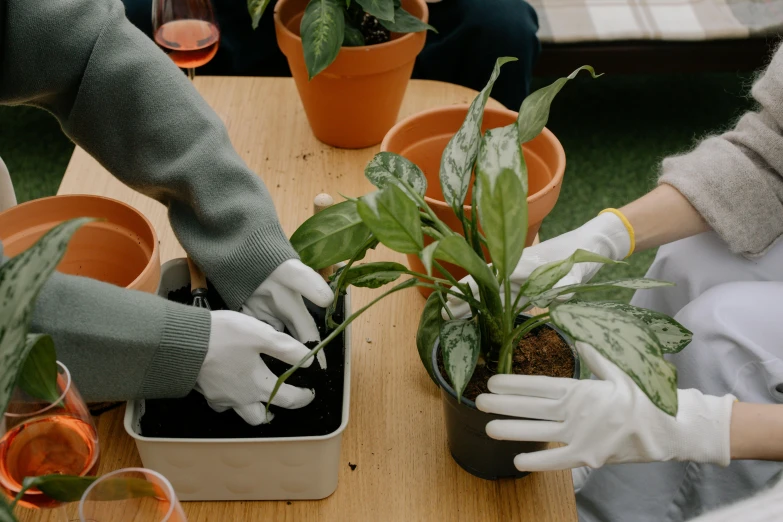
(352, 103)
(422, 138)
(122, 250)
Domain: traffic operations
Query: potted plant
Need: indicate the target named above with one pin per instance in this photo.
(487, 341)
(351, 61)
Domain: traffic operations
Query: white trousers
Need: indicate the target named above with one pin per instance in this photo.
(734, 307)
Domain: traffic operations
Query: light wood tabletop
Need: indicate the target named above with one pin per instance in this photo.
(395, 437)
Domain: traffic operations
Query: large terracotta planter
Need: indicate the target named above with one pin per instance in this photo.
(355, 101)
(122, 249)
(422, 138)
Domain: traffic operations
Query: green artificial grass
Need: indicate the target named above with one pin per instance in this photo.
(615, 131)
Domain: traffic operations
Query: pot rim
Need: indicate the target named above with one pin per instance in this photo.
(357, 49)
(445, 385)
(556, 180)
(155, 254)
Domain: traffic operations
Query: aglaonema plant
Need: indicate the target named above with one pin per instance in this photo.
(328, 25)
(397, 216)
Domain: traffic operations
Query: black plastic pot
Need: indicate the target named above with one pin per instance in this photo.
(469, 444)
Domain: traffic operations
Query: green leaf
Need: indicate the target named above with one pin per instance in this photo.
(427, 256)
(393, 218)
(330, 236)
(374, 275)
(21, 279)
(322, 30)
(70, 488)
(6, 514)
(388, 167)
(460, 154)
(256, 9)
(460, 345)
(39, 372)
(672, 335)
(429, 330)
(454, 249)
(380, 9)
(626, 341)
(534, 112)
(546, 276)
(502, 197)
(353, 37)
(404, 22)
(543, 300)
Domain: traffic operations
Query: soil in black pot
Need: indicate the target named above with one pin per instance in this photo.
(540, 352)
(191, 417)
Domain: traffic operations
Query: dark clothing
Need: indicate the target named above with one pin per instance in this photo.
(471, 35)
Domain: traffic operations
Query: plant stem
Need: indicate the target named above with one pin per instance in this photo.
(473, 302)
(440, 225)
(443, 302)
(425, 276)
(505, 361)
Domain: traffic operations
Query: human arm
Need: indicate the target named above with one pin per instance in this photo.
(757, 432)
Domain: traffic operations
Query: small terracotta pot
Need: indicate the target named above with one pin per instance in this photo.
(352, 103)
(422, 138)
(122, 250)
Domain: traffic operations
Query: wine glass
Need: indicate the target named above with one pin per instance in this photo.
(187, 31)
(131, 495)
(44, 438)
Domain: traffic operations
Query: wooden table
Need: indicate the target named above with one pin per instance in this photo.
(396, 436)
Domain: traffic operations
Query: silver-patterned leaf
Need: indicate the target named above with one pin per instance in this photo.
(380, 9)
(428, 331)
(388, 167)
(454, 249)
(546, 276)
(534, 112)
(38, 377)
(330, 236)
(502, 197)
(427, 256)
(323, 31)
(404, 22)
(460, 343)
(626, 341)
(21, 279)
(456, 164)
(374, 275)
(672, 335)
(256, 9)
(393, 218)
(544, 299)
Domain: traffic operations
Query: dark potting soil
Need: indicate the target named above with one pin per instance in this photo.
(191, 417)
(540, 352)
(373, 31)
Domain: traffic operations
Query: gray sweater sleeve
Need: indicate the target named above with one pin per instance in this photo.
(735, 180)
(123, 100)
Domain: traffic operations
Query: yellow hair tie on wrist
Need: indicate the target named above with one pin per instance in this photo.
(628, 227)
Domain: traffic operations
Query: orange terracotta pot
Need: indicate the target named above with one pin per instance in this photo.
(422, 138)
(122, 250)
(352, 103)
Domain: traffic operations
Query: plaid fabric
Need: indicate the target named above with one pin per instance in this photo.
(564, 21)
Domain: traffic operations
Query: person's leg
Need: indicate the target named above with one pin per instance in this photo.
(736, 349)
(472, 34)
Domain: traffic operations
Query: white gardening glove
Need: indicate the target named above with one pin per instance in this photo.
(234, 376)
(607, 421)
(278, 301)
(605, 235)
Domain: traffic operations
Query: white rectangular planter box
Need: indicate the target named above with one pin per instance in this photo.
(293, 468)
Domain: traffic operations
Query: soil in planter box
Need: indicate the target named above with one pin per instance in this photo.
(192, 418)
(540, 352)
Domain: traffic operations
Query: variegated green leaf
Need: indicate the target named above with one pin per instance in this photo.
(330, 236)
(460, 154)
(672, 335)
(502, 197)
(38, 377)
(374, 275)
(388, 167)
(322, 30)
(404, 22)
(460, 344)
(454, 249)
(429, 330)
(6, 515)
(534, 112)
(393, 218)
(546, 276)
(256, 9)
(69, 488)
(544, 299)
(380, 9)
(353, 36)
(626, 341)
(427, 256)
(21, 279)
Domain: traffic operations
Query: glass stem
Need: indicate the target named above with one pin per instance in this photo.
(192, 73)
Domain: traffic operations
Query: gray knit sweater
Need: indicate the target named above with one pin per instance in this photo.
(121, 99)
(735, 180)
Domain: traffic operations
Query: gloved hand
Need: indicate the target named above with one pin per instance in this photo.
(605, 235)
(278, 301)
(234, 376)
(605, 421)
